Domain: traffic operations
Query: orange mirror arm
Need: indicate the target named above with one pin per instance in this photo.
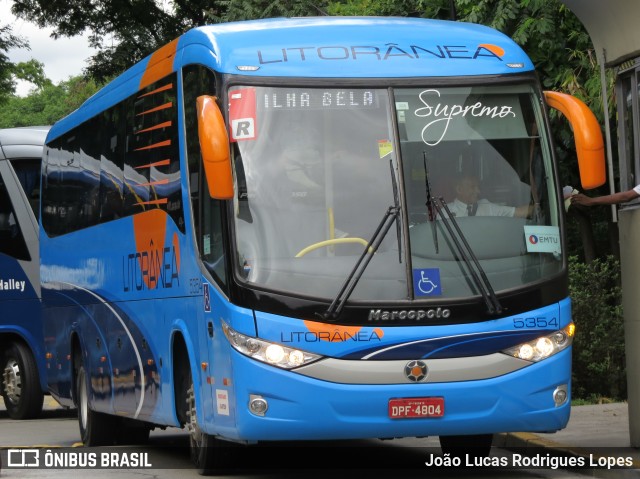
(214, 146)
(588, 137)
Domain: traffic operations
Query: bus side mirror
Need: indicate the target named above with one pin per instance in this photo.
(587, 134)
(214, 146)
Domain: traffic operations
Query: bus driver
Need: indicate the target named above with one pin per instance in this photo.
(468, 202)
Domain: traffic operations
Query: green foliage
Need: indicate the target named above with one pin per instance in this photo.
(251, 9)
(135, 28)
(398, 8)
(33, 72)
(563, 54)
(598, 348)
(552, 36)
(7, 69)
(48, 104)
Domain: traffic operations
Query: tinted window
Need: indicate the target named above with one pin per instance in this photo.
(28, 172)
(119, 163)
(207, 212)
(11, 239)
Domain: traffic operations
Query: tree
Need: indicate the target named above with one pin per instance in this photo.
(443, 9)
(125, 32)
(252, 9)
(31, 71)
(46, 104)
(598, 349)
(563, 54)
(7, 80)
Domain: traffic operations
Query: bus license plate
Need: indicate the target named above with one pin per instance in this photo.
(407, 408)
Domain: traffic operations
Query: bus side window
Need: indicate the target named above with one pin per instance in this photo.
(207, 212)
(28, 172)
(211, 235)
(11, 239)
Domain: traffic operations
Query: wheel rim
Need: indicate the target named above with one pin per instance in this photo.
(196, 436)
(82, 401)
(12, 381)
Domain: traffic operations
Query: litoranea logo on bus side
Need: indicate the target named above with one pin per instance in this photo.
(156, 262)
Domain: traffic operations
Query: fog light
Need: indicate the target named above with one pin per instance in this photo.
(258, 405)
(560, 395)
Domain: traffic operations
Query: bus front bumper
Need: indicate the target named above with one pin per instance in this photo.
(304, 408)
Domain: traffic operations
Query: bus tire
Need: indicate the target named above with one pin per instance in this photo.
(207, 452)
(475, 445)
(21, 391)
(96, 429)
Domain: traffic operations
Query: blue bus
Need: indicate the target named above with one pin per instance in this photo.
(255, 234)
(22, 375)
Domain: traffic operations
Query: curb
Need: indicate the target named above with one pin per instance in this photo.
(534, 443)
(50, 403)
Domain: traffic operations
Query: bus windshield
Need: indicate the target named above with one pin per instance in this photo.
(316, 170)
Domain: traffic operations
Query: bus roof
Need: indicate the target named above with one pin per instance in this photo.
(374, 47)
(326, 47)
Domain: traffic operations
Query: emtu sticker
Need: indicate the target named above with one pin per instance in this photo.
(242, 114)
(426, 282)
(542, 239)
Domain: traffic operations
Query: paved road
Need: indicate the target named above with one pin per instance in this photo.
(56, 432)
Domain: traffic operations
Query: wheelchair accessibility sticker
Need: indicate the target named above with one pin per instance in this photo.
(426, 282)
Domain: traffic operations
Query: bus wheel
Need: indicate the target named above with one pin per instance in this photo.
(476, 445)
(96, 429)
(205, 449)
(21, 389)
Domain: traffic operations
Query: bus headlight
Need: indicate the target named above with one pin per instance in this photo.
(268, 352)
(544, 346)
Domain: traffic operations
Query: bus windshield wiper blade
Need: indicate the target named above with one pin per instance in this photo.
(393, 212)
(430, 203)
(464, 249)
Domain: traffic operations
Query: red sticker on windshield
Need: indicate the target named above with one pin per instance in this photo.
(242, 114)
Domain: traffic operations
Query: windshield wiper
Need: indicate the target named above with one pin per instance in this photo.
(468, 256)
(460, 242)
(393, 212)
(430, 204)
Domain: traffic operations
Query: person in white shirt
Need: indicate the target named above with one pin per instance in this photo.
(469, 203)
